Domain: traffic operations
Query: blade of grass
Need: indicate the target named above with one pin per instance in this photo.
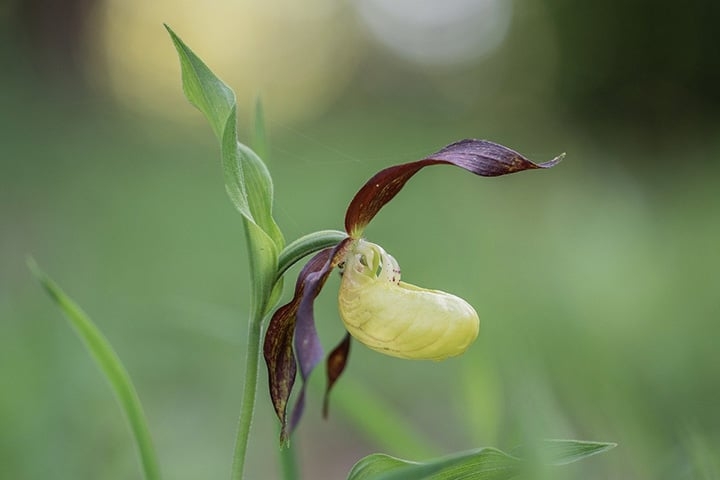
(111, 367)
(479, 464)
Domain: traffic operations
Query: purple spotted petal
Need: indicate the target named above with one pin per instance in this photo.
(307, 343)
(480, 157)
(278, 348)
(336, 362)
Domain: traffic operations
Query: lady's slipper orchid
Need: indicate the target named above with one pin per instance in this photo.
(377, 308)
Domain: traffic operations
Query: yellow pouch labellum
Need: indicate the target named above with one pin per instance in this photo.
(397, 318)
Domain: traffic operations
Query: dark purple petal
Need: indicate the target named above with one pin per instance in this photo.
(278, 348)
(480, 157)
(336, 362)
(307, 342)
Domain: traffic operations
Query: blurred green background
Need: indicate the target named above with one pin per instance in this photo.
(596, 282)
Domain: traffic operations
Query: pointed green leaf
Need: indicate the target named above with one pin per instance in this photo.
(247, 180)
(562, 452)
(111, 367)
(481, 464)
(203, 88)
(372, 466)
(246, 177)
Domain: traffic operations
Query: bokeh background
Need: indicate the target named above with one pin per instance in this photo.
(596, 282)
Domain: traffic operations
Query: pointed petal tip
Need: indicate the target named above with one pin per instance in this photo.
(553, 162)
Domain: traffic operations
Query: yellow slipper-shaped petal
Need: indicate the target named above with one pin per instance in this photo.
(397, 318)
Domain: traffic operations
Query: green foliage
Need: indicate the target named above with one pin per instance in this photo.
(250, 187)
(111, 367)
(563, 452)
(307, 244)
(481, 464)
(247, 179)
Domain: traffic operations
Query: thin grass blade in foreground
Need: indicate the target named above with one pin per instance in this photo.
(110, 365)
(480, 464)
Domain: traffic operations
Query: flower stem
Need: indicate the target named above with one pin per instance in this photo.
(288, 463)
(247, 407)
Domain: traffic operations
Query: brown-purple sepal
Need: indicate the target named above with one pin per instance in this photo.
(336, 362)
(480, 157)
(278, 347)
(307, 343)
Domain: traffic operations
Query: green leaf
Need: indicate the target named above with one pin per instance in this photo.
(111, 366)
(372, 466)
(248, 183)
(562, 452)
(305, 245)
(480, 464)
(247, 180)
(263, 265)
(203, 88)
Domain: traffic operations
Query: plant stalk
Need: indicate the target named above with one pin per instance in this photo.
(288, 463)
(247, 408)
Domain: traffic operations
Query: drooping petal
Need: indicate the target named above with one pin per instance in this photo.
(307, 343)
(480, 157)
(336, 362)
(278, 348)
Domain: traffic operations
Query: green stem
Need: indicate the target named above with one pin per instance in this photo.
(288, 463)
(248, 401)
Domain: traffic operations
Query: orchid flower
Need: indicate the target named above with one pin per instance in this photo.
(377, 308)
